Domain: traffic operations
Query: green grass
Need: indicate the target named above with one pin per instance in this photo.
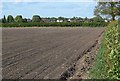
(99, 70)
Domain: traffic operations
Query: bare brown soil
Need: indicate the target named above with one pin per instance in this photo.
(85, 63)
(44, 53)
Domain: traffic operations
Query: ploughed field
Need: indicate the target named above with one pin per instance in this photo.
(43, 53)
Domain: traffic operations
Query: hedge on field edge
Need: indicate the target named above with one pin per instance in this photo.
(56, 24)
(108, 58)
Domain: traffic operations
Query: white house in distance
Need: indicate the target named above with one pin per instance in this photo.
(59, 20)
(69, 20)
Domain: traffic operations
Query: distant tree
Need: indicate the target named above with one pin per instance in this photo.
(18, 18)
(108, 9)
(24, 20)
(98, 19)
(74, 18)
(36, 18)
(10, 19)
(4, 19)
(86, 18)
(80, 18)
(53, 18)
(61, 18)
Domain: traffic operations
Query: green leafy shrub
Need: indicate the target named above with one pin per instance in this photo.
(112, 45)
(107, 64)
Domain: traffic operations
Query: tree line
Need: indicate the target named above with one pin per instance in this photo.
(37, 18)
(19, 18)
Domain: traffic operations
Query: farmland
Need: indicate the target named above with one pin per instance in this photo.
(41, 53)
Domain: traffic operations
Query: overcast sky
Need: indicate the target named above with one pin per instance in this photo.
(47, 8)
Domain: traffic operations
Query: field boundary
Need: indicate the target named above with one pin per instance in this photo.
(55, 24)
(106, 65)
